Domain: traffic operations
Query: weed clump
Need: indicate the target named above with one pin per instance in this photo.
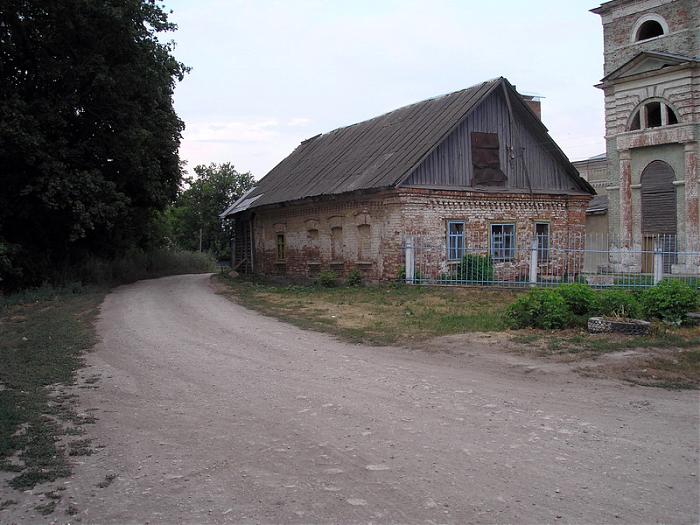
(327, 279)
(354, 278)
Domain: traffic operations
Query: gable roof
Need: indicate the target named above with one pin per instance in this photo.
(657, 59)
(377, 153)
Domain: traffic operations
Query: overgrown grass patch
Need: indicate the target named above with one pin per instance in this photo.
(44, 333)
(386, 314)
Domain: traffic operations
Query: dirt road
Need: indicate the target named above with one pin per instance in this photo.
(211, 413)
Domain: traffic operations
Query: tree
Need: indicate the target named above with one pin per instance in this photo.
(88, 135)
(196, 212)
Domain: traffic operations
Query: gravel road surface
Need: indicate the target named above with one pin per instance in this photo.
(211, 413)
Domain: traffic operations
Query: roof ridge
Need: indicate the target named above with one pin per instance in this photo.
(404, 107)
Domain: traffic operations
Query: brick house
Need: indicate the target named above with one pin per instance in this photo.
(652, 131)
(477, 163)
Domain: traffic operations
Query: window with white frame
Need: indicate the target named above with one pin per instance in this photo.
(455, 240)
(542, 233)
(502, 242)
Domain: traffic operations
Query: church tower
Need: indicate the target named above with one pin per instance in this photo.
(652, 129)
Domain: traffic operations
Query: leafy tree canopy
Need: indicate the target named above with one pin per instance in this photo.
(198, 208)
(88, 135)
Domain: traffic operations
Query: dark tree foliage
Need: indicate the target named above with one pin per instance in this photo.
(198, 207)
(88, 135)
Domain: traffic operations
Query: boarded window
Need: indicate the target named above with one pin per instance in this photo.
(455, 240)
(364, 243)
(502, 242)
(542, 233)
(658, 199)
(337, 244)
(312, 248)
(486, 160)
(281, 247)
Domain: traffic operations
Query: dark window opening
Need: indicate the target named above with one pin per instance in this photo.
(635, 122)
(653, 114)
(486, 160)
(542, 232)
(649, 29)
(672, 118)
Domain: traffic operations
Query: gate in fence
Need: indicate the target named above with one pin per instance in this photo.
(546, 260)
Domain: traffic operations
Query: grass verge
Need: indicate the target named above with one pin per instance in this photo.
(388, 314)
(44, 333)
(669, 357)
(400, 314)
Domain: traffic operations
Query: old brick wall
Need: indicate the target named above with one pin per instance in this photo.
(367, 232)
(427, 212)
(338, 233)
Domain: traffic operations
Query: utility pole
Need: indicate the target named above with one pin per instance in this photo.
(200, 240)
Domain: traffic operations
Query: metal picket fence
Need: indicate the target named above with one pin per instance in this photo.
(500, 259)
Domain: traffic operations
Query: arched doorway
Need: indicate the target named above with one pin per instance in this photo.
(659, 219)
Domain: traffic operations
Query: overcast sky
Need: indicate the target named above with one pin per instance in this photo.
(268, 74)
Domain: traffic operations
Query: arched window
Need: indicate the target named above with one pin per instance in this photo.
(652, 114)
(649, 29)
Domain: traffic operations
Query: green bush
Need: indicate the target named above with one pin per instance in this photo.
(670, 301)
(354, 278)
(580, 298)
(327, 279)
(617, 303)
(474, 268)
(539, 308)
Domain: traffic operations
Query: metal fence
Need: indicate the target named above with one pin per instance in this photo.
(500, 259)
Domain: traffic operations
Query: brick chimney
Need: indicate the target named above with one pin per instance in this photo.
(535, 104)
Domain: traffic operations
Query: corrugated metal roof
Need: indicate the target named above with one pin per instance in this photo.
(598, 204)
(376, 153)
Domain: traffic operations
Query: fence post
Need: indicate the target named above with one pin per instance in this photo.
(533, 261)
(410, 260)
(658, 263)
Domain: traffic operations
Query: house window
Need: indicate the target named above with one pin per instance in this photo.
(486, 160)
(502, 242)
(364, 243)
(281, 247)
(337, 244)
(653, 114)
(542, 233)
(455, 240)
